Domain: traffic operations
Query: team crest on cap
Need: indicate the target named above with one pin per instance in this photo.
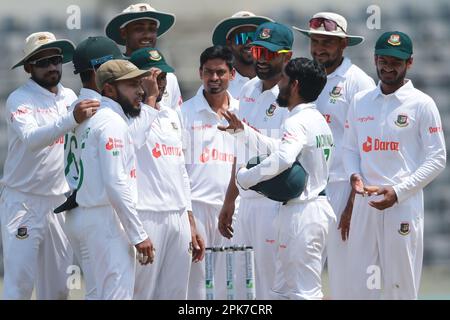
(265, 33)
(271, 110)
(394, 40)
(154, 55)
(402, 120)
(404, 228)
(336, 92)
(22, 233)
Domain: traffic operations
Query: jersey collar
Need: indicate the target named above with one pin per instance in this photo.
(402, 93)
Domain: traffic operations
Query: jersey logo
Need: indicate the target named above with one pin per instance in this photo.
(336, 92)
(154, 55)
(114, 143)
(174, 125)
(394, 40)
(156, 151)
(404, 228)
(22, 233)
(271, 110)
(380, 145)
(265, 33)
(402, 120)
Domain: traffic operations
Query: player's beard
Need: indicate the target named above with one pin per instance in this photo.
(128, 108)
(48, 80)
(283, 96)
(245, 57)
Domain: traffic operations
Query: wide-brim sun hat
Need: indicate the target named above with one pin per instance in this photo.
(341, 30)
(139, 11)
(240, 19)
(39, 41)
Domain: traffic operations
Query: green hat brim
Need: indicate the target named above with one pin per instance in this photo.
(164, 67)
(224, 27)
(393, 53)
(66, 46)
(352, 40)
(272, 47)
(112, 30)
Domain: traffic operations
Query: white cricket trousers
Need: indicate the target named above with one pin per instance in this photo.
(386, 249)
(167, 277)
(206, 219)
(338, 193)
(255, 227)
(35, 247)
(302, 236)
(104, 252)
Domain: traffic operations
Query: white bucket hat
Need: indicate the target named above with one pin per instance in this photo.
(341, 29)
(39, 41)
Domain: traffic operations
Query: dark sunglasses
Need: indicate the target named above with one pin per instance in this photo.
(45, 62)
(329, 25)
(262, 52)
(243, 37)
(96, 63)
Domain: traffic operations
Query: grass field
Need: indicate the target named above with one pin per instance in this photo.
(435, 285)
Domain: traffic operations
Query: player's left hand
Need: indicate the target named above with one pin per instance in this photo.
(389, 199)
(197, 242)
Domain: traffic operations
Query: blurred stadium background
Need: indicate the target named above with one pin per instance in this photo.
(427, 22)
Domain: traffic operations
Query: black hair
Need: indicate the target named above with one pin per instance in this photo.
(311, 76)
(217, 52)
(86, 76)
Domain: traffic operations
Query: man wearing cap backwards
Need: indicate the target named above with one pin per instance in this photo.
(138, 26)
(257, 107)
(329, 39)
(236, 32)
(209, 158)
(398, 150)
(106, 219)
(165, 211)
(303, 222)
(35, 248)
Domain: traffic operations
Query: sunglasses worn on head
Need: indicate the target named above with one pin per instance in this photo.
(46, 61)
(96, 63)
(262, 52)
(328, 24)
(243, 37)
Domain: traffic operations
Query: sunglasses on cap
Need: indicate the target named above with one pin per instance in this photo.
(262, 52)
(96, 63)
(46, 61)
(243, 37)
(329, 25)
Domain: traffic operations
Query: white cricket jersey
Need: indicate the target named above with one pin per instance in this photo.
(395, 139)
(306, 138)
(209, 152)
(72, 142)
(108, 167)
(163, 183)
(333, 103)
(37, 120)
(235, 86)
(259, 110)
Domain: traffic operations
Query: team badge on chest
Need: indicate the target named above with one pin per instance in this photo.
(402, 120)
(271, 110)
(22, 233)
(404, 228)
(336, 92)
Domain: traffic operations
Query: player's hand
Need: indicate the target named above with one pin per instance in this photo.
(357, 184)
(150, 86)
(389, 199)
(85, 109)
(145, 252)
(234, 123)
(346, 217)
(226, 219)
(197, 242)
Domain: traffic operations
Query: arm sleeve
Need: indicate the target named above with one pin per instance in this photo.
(23, 122)
(117, 180)
(433, 146)
(140, 126)
(351, 157)
(292, 142)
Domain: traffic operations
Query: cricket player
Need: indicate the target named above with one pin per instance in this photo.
(35, 248)
(209, 158)
(106, 220)
(303, 222)
(237, 32)
(271, 50)
(328, 40)
(164, 198)
(139, 26)
(392, 154)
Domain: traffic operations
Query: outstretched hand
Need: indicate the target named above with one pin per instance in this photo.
(234, 123)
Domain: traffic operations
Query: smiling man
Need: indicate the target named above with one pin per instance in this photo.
(393, 156)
